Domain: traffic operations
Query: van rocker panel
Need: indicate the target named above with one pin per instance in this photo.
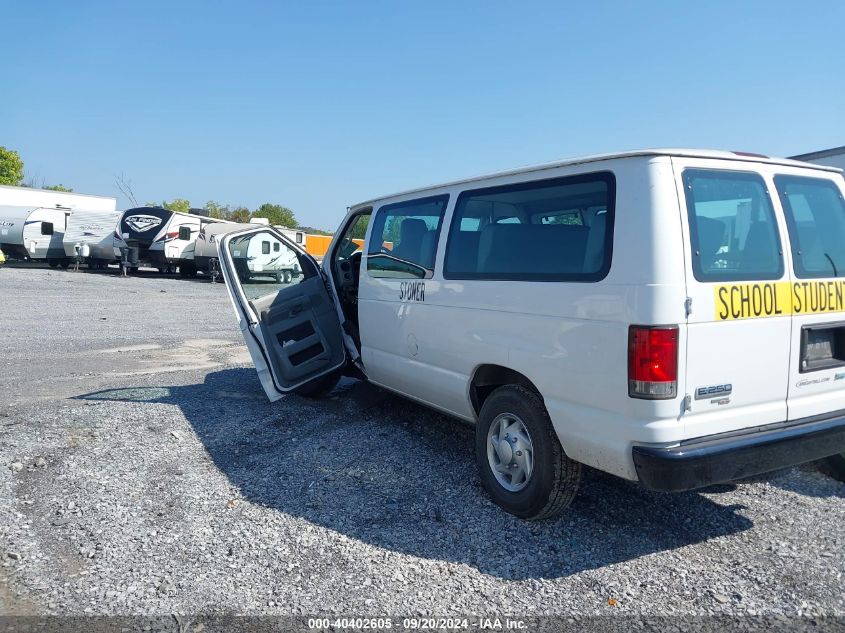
(730, 456)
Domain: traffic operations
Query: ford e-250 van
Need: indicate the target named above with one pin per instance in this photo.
(672, 317)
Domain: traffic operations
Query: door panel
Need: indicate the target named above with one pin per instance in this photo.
(738, 327)
(288, 320)
(814, 209)
(300, 330)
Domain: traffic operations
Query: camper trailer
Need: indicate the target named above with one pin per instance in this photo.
(89, 237)
(161, 238)
(34, 220)
(29, 233)
(267, 257)
(205, 249)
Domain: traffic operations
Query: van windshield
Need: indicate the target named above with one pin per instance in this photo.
(815, 217)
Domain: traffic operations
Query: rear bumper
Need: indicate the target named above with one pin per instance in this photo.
(730, 456)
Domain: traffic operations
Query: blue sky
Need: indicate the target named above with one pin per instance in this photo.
(317, 105)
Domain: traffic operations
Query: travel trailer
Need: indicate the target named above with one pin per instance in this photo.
(34, 220)
(89, 237)
(29, 233)
(266, 257)
(672, 317)
(205, 251)
(161, 238)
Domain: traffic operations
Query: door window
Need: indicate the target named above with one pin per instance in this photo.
(732, 226)
(404, 237)
(46, 228)
(353, 239)
(815, 217)
(549, 230)
(263, 272)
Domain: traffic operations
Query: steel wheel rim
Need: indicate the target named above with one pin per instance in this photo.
(510, 452)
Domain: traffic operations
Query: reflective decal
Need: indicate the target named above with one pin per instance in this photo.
(749, 301)
(142, 223)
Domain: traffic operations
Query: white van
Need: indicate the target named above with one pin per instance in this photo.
(673, 317)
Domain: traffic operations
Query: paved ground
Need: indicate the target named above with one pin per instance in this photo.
(143, 471)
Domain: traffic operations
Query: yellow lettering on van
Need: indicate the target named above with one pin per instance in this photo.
(751, 301)
(777, 298)
(813, 297)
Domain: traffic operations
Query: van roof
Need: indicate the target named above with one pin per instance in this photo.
(692, 153)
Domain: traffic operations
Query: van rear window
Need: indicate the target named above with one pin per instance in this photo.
(732, 226)
(548, 230)
(815, 218)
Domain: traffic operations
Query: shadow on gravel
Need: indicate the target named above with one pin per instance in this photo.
(393, 474)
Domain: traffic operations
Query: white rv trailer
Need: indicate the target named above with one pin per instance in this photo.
(164, 238)
(28, 196)
(205, 250)
(90, 236)
(267, 257)
(33, 233)
(54, 207)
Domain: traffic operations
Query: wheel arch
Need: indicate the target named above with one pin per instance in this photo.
(488, 377)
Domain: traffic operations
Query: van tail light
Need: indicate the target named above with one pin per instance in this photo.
(652, 362)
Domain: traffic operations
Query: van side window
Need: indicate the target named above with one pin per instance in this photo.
(184, 232)
(276, 247)
(403, 241)
(815, 217)
(732, 226)
(549, 230)
(46, 228)
(265, 248)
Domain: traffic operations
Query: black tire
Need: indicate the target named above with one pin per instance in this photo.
(53, 263)
(554, 480)
(65, 264)
(837, 466)
(288, 277)
(188, 271)
(319, 387)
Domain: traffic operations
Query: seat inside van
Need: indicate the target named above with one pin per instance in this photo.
(523, 248)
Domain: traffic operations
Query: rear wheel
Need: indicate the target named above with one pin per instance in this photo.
(287, 276)
(319, 387)
(188, 271)
(521, 462)
(837, 465)
(54, 263)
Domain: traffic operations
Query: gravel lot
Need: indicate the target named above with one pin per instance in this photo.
(143, 471)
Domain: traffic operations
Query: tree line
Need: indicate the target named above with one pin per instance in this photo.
(12, 173)
(275, 213)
